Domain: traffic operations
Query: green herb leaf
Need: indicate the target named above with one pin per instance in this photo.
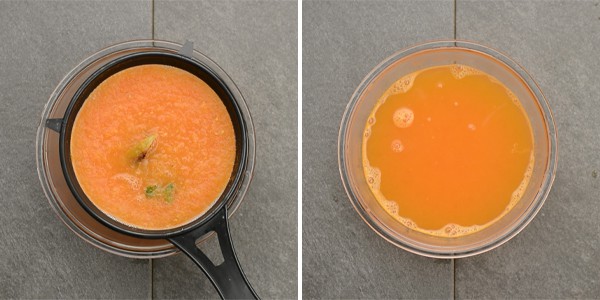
(169, 191)
(151, 191)
(142, 148)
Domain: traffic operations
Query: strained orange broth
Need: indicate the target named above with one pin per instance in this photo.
(448, 150)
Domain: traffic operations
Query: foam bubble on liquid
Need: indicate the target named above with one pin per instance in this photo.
(462, 71)
(520, 190)
(403, 85)
(406, 222)
(367, 132)
(383, 98)
(455, 230)
(449, 230)
(403, 117)
(513, 97)
(373, 177)
(391, 207)
(371, 120)
(471, 127)
(397, 146)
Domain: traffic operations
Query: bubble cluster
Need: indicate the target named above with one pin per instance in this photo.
(373, 177)
(513, 97)
(397, 146)
(391, 207)
(520, 191)
(403, 84)
(455, 230)
(449, 230)
(403, 117)
(462, 71)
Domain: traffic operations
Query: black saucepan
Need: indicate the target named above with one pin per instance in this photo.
(228, 277)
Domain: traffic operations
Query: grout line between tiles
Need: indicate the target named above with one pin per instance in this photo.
(455, 19)
(151, 278)
(453, 264)
(152, 19)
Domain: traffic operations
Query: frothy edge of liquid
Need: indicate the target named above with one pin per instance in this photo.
(373, 175)
(461, 71)
(402, 85)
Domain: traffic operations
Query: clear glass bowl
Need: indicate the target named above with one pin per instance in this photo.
(49, 169)
(424, 56)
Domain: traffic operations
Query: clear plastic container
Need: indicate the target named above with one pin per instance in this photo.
(49, 168)
(424, 56)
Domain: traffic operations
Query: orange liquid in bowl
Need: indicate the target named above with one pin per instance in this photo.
(153, 147)
(448, 150)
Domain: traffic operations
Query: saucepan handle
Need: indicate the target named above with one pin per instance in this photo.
(228, 277)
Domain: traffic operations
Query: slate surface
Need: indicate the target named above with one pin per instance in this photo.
(556, 255)
(255, 42)
(342, 256)
(41, 42)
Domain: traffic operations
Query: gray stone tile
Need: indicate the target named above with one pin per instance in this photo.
(342, 42)
(255, 42)
(555, 256)
(41, 42)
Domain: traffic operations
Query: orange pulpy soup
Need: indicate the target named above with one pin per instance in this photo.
(448, 150)
(153, 147)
